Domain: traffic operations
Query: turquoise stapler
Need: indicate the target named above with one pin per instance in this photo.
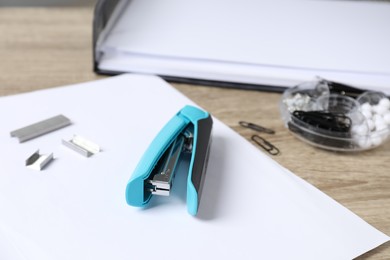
(189, 131)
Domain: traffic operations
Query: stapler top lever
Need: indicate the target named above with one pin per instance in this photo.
(189, 131)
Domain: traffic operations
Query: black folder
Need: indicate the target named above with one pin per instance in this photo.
(293, 49)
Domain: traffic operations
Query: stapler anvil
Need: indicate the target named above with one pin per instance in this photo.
(189, 131)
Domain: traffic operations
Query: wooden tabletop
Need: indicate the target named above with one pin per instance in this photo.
(48, 47)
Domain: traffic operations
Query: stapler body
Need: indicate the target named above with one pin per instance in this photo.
(189, 131)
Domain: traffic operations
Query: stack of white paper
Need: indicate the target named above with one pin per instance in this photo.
(251, 208)
(277, 43)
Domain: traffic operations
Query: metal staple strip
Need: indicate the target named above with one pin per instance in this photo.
(40, 128)
(37, 161)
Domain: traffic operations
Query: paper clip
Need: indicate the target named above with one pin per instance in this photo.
(255, 127)
(270, 148)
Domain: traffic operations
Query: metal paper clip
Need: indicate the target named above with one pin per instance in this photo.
(270, 148)
(255, 127)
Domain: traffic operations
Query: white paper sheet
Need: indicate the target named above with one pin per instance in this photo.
(278, 43)
(251, 208)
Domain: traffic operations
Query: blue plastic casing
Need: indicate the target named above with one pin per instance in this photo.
(202, 124)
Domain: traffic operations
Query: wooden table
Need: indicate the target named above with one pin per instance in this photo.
(47, 47)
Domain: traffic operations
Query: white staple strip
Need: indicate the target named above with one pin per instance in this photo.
(82, 146)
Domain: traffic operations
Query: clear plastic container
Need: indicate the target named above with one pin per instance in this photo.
(334, 121)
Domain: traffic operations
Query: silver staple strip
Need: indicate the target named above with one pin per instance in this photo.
(40, 128)
(37, 161)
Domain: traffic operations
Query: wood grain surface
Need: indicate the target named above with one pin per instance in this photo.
(47, 47)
